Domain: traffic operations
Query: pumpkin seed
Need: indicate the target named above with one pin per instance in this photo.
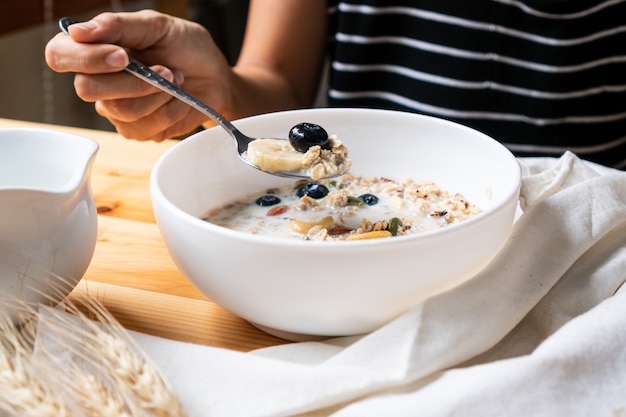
(394, 226)
(354, 201)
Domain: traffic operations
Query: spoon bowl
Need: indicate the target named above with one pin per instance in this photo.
(242, 141)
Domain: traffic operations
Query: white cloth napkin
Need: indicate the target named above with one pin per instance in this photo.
(540, 332)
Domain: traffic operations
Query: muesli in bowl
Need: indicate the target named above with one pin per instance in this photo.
(345, 208)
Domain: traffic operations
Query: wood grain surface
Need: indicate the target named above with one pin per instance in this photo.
(131, 271)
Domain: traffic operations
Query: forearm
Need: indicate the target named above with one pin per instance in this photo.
(256, 91)
(281, 59)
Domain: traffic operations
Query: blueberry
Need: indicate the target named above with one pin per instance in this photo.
(267, 200)
(369, 199)
(313, 190)
(304, 135)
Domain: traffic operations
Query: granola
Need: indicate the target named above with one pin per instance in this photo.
(346, 208)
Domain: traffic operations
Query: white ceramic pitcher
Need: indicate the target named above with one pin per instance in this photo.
(48, 220)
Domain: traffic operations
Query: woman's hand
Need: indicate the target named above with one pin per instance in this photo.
(279, 66)
(98, 50)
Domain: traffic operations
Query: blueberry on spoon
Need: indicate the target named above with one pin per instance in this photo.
(304, 135)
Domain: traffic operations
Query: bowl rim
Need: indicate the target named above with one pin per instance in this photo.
(156, 192)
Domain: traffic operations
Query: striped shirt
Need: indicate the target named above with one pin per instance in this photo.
(540, 76)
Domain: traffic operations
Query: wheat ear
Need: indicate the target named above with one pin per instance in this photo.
(78, 364)
(22, 393)
(113, 356)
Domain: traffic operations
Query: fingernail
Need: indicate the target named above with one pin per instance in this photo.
(117, 59)
(179, 78)
(176, 77)
(165, 73)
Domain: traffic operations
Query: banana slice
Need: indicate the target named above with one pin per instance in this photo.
(274, 155)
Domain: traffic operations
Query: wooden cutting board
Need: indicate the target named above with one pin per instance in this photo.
(176, 318)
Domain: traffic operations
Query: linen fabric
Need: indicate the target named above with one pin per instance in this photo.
(540, 331)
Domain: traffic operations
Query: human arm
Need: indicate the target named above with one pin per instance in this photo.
(277, 69)
(282, 55)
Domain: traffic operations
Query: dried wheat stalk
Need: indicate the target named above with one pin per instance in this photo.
(96, 369)
(22, 392)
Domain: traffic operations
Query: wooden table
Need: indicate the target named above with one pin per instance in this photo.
(131, 271)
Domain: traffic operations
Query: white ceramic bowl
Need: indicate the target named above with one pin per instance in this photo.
(296, 288)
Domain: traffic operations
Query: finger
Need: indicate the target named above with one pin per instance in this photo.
(121, 85)
(98, 45)
(131, 110)
(135, 30)
(177, 130)
(149, 132)
(143, 129)
(62, 54)
(175, 118)
(148, 36)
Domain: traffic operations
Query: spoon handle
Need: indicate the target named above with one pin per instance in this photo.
(141, 71)
(146, 74)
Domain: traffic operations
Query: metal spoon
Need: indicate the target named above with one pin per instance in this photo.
(143, 72)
